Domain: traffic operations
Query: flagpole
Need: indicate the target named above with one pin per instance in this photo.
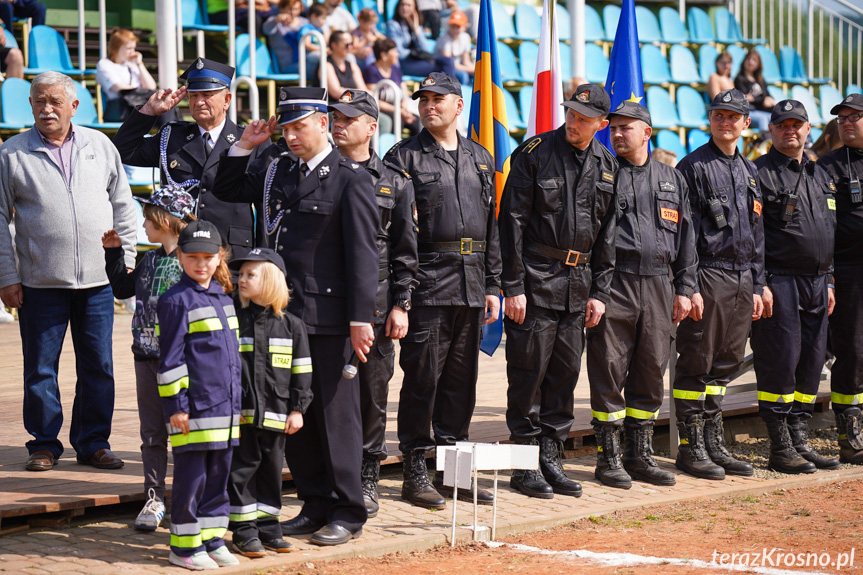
(576, 21)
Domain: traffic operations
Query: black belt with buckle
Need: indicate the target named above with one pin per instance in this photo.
(569, 257)
(383, 274)
(463, 246)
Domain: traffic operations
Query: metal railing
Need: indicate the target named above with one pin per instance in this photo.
(322, 65)
(397, 112)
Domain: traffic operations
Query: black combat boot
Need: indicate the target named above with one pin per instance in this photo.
(783, 457)
(691, 454)
(609, 467)
(714, 442)
(638, 456)
(483, 497)
(798, 427)
(849, 423)
(370, 476)
(530, 482)
(416, 487)
(551, 466)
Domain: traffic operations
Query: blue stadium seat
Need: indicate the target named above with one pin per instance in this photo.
(467, 96)
(391, 9)
(648, 25)
(610, 16)
(707, 61)
(565, 59)
(503, 26)
(662, 110)
(265, 73)
(672, 27)
(691, 108)
(141, 177)
(696, 138)
(684, 70)
(700, 26)
(15, 111)
(593, 29)
(513, 144)
(802, 95)
(527, 22)
(196, 19)
(596, 64)
(727, 29)
(670, 141)
(513, 115)
(564, 24)
(654, 66)
(852, 89)
(770, 65)
(525, 94)
(738, 54)
(11, 42)
(509, 72)
(830, 97)
(777, 93)
(49, 52)
(528, 53)
(357, 5)
(86, 114)
(793, 70)
(385, 142)
(815, 133)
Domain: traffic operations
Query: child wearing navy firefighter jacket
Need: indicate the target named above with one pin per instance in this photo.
(277, 381)
(199, 382)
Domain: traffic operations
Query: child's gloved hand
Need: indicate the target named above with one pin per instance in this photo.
(180, 420)
(111, 239)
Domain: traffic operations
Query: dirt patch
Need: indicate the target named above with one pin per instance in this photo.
(780, 530)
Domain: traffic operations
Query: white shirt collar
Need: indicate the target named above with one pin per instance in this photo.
(215, 132)
(313, 163)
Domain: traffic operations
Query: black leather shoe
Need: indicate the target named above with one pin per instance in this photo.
(530, 482)
(333, 534)
(300, 525)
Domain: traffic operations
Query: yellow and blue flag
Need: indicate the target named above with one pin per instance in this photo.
(624, 71)
(488, 126)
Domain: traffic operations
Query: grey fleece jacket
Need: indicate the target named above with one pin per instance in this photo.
(58, 228)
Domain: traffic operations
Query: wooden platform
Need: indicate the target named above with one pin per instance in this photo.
(71, 487)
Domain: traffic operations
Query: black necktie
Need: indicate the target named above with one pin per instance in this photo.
(207, 147)
(304, 171)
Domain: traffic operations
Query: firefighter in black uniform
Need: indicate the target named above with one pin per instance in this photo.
(729, 237)
(557, 223)
(187, 153)
(845, 167)
(320, 215)
(789, 343)
(459, 284)
(355, 118)
(627, 353)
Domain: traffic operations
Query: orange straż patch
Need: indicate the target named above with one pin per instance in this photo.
(669, 214)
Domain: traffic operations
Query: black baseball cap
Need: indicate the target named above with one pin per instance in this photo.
(298, 103)
(853, 101)
(439, 83)
(589, 100)
(632, 110)
(259, 255)
(204, 75)
(788, 109)
(200, 237)
(355, 103)
(732, 100)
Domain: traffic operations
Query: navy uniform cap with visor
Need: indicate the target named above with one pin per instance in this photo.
(355, 103)
(259, 255)
(590, 101)
(205, 75)
(630, 109)
(298, 103)
(788, 109)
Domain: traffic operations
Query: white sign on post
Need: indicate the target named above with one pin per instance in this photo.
(463, 468)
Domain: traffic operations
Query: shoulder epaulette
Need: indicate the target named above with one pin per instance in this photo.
(530, 146)
(350, 164)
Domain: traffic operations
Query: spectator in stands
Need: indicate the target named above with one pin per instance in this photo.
(342, 74)
(721, 79)
(11, 9)
(406, 30)
(827, 141)
(282, 32)
(339, 17)
(11, 59)
(456, 44)
(386, 67)
(317, 22)
(365, 37)
(218, 11)
(750, 81)
(123, 77)
(430, 10)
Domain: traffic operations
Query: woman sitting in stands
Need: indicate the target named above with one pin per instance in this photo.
(123, 77)
(721, 79)
(752, 84)
(406, 30)
(386, 67)
(342, 74)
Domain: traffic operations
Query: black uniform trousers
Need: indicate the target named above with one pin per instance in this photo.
(439, 356)
(375, 375)
(628, 351)
(789, 347)
(712, 350)
(255, 486)
(325, 455)
(846, 337)
(543, 359)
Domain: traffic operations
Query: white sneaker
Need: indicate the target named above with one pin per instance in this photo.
(5, 316)
(198, 562)
(223, 557)
(152, 514)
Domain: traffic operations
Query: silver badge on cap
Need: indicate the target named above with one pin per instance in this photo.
(199, 64)
(619, 107)
(283, 95)
(788, 106)
(848, 99)
(727, 97)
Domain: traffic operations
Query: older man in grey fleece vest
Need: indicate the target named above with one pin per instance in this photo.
(65, 186)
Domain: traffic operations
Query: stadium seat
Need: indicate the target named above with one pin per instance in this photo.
(593, 29)
(830, 97)
(793, 70)
(565, 59)
(699, 25)
(525, 94)
(654, 66)
(197, 22)
(776, 92)
(86, 115)
(770, 65)
(707, 61)
(503, 26)
(596, 64)
(690, 108)
(528, 53)
(610, 16)
(141, 177)
(564, 24)
(513, 115)
(385, 142)
(527, 22)
(696, 138)
(670, 141)
(11, 42)
(49, 53)
(467, 96)
(15, 111)
(728, 29)
(684, 70)
(648, 25)
(737, 54)
(852, 89)
(672, 27)
(513, 144)
(662, 110)
(265, 73)
(509, 72)
(802, 95)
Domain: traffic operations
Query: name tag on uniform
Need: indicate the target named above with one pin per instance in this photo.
(669, 214)
(281, 360)
(608, 177)
(756, 207)
(385, 190)
(752, 183)
(831, 204)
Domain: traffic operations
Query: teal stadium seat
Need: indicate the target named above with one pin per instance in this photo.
(648, 25)
(467, 96)
(503, 26)
(564, 24)
(525, 94)
(770, 65)
(738, 54)
(141, 177)
(802, 95)
(662, 110)
(513, 115)
(852, 89)
(707, 61)
(830, 97)
(670, 141)
(672, 27)
(684, 70)
(776, 92)
(528, 54)
(593, 29)
(15, 111)
(793, 70)
(596, 64)
(696, 138)
(691, 108)
(815, 133)
(700, 26)
(264, 67)
(527, 22)
(509, 72)
(385, 142)
(513, 144)
(196, 19)
(610, 17)
(565, 59)
(728, 29)
(86, 113)
(654, 66)
(49, 53)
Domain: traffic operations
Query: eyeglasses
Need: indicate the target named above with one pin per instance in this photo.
(852, 118)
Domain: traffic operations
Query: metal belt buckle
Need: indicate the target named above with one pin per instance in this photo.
(466, 246)
(569, 255)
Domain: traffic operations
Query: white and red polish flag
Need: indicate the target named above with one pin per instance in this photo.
(546, 112)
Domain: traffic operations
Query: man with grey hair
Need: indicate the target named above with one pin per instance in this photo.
(65, 186)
